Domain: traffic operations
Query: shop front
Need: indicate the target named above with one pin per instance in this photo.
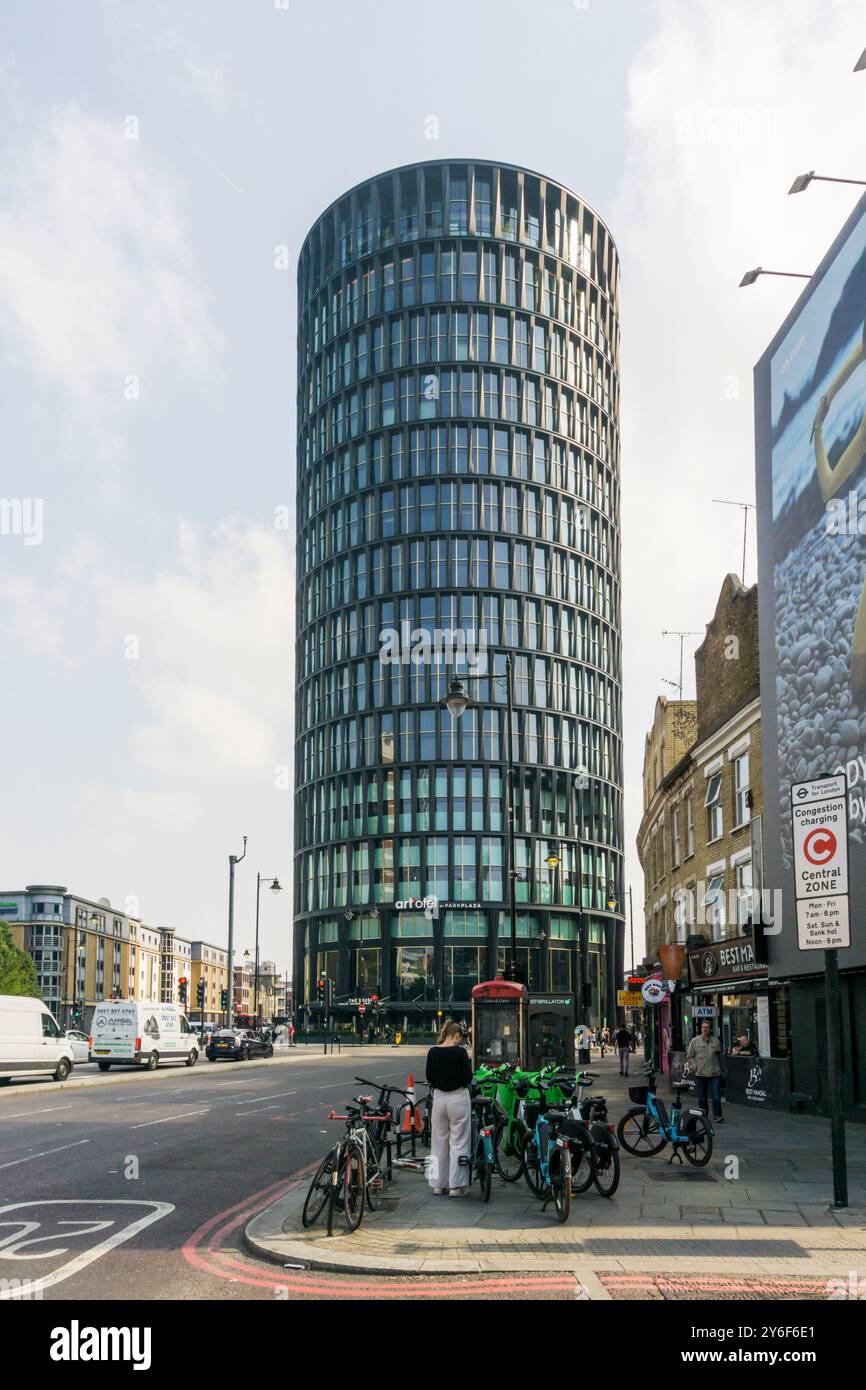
(729, 987)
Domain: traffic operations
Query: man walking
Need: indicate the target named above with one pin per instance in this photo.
(624, 1046)
(705, 1051)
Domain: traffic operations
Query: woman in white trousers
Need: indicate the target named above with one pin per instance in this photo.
(449, 1073)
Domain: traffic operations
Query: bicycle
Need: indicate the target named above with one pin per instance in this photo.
(592, 1110)
(500, 1083)
(647, 1128)
(350, 1176)
(547, 1152)
(481, 1158)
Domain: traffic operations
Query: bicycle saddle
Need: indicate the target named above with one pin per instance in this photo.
(683, 1086)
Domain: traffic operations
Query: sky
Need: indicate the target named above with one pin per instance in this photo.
(160, 165)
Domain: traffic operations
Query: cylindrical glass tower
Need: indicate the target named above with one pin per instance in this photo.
(457, 501)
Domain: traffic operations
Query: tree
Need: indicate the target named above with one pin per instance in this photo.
(17, 970)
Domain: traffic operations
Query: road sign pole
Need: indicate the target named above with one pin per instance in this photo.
(834, 1077)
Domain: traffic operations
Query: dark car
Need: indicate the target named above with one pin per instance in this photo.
(237, 1045)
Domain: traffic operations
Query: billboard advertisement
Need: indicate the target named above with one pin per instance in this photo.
(810, 411)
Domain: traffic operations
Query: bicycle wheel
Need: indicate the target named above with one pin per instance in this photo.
(560, 1182)
(508, 1147)
(583, 1161)
(607, 1171)
(532, 1168)
(335, 1187)
(353, 1186)
(319, 1191)
(484, 1172)
(699, 1149)
(375, 1177)
(639, 1133)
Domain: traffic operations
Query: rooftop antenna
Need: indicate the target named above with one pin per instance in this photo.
(669, 632)
(747, 507)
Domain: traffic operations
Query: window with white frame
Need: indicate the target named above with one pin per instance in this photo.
(741, 789)
(684, 913)
(713, 803)
(745, 894)
(676, 851)
(690, 827)
(714, 905)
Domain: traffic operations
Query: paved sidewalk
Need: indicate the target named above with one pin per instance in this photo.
(760, 1207)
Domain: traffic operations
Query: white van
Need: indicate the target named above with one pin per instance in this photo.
(31, 1043)
(137, 1033)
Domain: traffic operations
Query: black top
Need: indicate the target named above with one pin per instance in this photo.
(448, 1068)
(623, 1038)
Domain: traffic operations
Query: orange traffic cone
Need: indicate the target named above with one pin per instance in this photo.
(408, 1107)
(410, 1087)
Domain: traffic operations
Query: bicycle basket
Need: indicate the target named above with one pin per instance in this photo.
(638, 1094)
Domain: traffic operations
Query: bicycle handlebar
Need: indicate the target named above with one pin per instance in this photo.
(383, 1090)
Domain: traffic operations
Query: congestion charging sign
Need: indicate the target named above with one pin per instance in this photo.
(819, 820)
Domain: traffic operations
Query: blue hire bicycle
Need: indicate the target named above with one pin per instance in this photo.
(547, 1151)
(647, 1128)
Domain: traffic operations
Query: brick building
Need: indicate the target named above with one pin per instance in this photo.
(699, 840)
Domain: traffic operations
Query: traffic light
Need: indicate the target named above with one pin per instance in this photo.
(76, 1013)
(321, 985)
(199, 994)
(224, 999)
(331, 990)
(181, 984)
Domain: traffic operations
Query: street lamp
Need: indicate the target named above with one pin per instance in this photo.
(751, 275)
(275, 887)
(802, 181)
(234, 860)
(457, 702)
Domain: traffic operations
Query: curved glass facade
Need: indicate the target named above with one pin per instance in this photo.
(457, 500)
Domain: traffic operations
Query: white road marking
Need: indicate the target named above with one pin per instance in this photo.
(263, 1111)
(45, 1153)
(278, 1096)
(48, 1110)
(169, 1118)
(125, 1233)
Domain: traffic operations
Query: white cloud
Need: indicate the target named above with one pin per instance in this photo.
(98, 279)
(727, 102)
(211, 665)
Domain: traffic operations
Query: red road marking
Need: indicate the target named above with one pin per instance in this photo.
(211, 1260)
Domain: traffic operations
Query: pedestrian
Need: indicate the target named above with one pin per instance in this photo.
(705, 1051)
(744, 1047)
(449, 1072)
(291, 1033)
(624, 1046)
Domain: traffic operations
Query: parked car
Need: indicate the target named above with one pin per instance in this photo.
(237, 1045)
(80, 1044)
(31, 1042)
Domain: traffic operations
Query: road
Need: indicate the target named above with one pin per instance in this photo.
(116, 1190)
